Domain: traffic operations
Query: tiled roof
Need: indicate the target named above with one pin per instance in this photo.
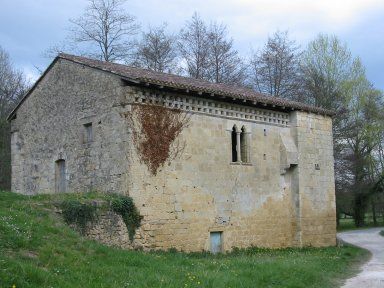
(166, 80)
(146, 76)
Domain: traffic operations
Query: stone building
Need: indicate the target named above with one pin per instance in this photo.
(255, 170)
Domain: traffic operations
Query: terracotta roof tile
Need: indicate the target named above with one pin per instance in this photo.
(180, 82)
(175, 81)
(145, 76)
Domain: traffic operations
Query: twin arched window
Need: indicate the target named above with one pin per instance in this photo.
(240, 145)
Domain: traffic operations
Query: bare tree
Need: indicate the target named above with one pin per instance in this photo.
(275, 68)
(208, 53)
(12, 86)
(66, 46)
(157, 50)
(193, 45)
(225, 64)
(107, 28)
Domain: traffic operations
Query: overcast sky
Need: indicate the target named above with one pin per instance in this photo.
(29, 27)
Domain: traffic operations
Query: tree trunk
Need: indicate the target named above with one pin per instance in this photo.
(337, 219)
(359, 209)
(382, 214)
(374, 213)
(5, 155)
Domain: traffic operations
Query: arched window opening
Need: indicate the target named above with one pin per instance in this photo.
(243, 145)
(60, 176)
(234, 144)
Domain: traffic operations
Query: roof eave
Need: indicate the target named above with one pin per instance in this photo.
(13, 112)
(251, 102)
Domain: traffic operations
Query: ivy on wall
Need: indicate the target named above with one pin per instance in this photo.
(124, 206)
(81, 214)
(155, 132)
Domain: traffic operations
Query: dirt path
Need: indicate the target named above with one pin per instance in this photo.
(372, 274)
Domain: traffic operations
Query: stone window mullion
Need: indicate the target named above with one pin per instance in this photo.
(248, 139)
(238, 146)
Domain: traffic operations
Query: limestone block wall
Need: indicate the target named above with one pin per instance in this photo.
(315, 178)
(50, 126)
(203, 191)
(278, 199)
(111, 230)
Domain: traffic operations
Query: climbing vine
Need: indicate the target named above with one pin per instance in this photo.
(124, 206)
(79, 214)
(82, 213)
(155, 132)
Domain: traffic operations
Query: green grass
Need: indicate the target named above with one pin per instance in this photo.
(349, 224)
(38, 250)
(346, 224)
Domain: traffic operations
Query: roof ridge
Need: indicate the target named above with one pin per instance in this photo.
(173, 81)
(73, 57)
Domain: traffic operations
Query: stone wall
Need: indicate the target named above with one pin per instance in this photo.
(315, 177)
(111, 230)
(50, 126)
(261, 203)
(278, 199)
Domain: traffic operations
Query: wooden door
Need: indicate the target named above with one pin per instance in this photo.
(216, 242)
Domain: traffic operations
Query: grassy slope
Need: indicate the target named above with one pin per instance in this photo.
(38, 250)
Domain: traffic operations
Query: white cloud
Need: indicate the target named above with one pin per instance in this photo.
(31, 73)
(251, 21)
(29, 27)
(331, 15)
(331, 12)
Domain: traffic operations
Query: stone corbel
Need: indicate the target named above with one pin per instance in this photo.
(288, 152)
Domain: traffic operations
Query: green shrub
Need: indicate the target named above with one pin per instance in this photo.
(79, 214)
(124, 206)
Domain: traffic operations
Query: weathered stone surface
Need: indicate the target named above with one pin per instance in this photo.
(283, 197)
(111, 230)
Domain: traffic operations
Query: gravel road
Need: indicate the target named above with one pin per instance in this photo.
(372, 273)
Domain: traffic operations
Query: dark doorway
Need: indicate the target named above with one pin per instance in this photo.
(60, 176)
